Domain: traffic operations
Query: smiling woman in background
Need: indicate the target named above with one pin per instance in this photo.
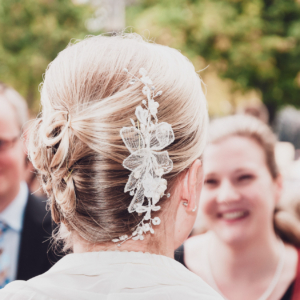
(242, 256)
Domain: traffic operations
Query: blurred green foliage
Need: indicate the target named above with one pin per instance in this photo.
(32, 32)
(256, 43)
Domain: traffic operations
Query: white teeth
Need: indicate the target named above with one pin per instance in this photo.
(233, 215)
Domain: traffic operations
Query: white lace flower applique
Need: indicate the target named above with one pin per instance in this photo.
(147, 162)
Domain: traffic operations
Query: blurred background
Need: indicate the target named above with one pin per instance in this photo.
(246, 51)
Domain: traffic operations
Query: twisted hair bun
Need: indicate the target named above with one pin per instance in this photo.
(75, 144)
(50, 155)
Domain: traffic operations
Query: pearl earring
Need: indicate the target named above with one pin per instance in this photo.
(185, 204)
(194, 209)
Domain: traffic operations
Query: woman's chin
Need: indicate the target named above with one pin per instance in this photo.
(234, 232)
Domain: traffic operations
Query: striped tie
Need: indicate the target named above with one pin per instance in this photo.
(4, 258)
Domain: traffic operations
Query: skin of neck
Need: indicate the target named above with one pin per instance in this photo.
(247, 261)
(161, 242)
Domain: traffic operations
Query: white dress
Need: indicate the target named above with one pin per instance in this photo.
(112, 275)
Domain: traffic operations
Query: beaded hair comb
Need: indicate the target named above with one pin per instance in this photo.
(145, 139)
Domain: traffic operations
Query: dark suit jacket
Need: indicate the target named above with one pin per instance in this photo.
(34, 255)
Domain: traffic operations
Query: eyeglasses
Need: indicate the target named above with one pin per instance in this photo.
(6, 144)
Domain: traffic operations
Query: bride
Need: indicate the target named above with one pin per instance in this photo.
(117, 145)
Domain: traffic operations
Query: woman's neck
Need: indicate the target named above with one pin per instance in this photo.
(151, 244)
(249, 260)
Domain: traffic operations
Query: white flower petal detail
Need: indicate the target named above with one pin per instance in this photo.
(155, 208)
(142, 115)
(123, 237)
(147, 215)
(146, 80)
(132, 122)
(143, 72)
(163, 161)
(165, 134)
(146, 90)
(153, 106)
(132, 138)
(162, 136)
(131, 183)
(137, 200)
(150, 185)
(141, 209)
(146, 227)
(136, 159)
(155, 198)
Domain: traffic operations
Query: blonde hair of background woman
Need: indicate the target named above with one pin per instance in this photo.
(286, 217)
(76, 146)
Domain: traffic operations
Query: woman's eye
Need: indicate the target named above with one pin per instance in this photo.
(245, 177)
(210, 182)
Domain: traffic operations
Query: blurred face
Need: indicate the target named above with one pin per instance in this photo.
(239, 193)
(12, 156)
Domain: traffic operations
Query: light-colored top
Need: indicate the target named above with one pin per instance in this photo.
(13, 216)
(112, 275)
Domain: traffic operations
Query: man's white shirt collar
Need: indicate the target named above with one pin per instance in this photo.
(13, 214)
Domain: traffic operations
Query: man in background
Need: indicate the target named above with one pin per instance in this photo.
(25, 226)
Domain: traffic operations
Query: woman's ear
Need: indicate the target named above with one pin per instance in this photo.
(192, 185)
(188, 189)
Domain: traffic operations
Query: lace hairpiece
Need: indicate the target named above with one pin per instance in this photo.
(146, 161)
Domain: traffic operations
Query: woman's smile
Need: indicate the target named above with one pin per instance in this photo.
(233, 215)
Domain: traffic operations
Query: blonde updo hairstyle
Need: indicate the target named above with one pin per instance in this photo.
(253, 128)
(76, 145)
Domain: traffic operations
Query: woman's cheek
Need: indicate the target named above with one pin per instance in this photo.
(207, 203)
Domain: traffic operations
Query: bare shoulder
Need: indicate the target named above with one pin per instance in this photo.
(195, 253)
